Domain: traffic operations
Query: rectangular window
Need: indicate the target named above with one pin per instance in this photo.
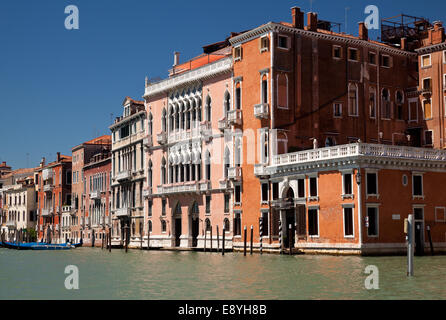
(237, 224)
(347, 180)
(427, 84)
(428, 140)
(150, 208)
(337, 110)
(417, 189)
(348, 222)
(413, 110)
(386, 61)
(372, 183)
(440, 214)
(372, 104)
(163, 207)
(208, 204)
(313, 187)
(372, 216)
(444, 56)
(353, 54)
(301, 188)
(264, 44)
(426, 61)
(427, 109)
(283, 42)
(265, 224)
(226, 202)
(275, 191)
(337, 52)
(238, 53)
(313, 223)
(264, 192)
(238, 194)
(372, 58)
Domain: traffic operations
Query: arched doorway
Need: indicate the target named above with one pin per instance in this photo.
(177, 225)
(289, 222)
(194, 222)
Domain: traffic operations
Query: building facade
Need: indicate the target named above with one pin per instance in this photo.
(128, 173)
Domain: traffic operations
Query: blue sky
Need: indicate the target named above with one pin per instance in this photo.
(59, 88)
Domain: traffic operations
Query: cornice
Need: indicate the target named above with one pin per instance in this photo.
(433, 48)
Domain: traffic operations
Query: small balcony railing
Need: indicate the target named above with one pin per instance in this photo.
(223, 124)
(47, 212)
(261, 111)
(235, 117)
(235, 173)
(48, 188)
(148, 141)
(95, 195)
(161, 138)
(11, 224)
(124, 175)
(122, 212)
(260, 170)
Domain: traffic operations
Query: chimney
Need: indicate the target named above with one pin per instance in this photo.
(42, 162)
(404, 44)
(58, 156)
(176, 58)
(363, 31)
(298, 18)
(311, 21)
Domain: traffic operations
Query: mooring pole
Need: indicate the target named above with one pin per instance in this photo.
(280, 236)
(409, 228)
(261, 234)
(252, 239)
(218, 239)
(205, 238)
(109, 240)
(223, 243)
(244, 241)
(126, 238)
(148, 238)
(141, 235)
(211, 238)
(430, 239)
(289, 237)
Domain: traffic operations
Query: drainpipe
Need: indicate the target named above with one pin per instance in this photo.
(378, 95)
(358, 174)
(270, 214)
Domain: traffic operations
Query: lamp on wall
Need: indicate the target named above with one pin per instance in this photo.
(358, 176)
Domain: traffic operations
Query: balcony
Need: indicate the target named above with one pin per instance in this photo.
(124, 175)
(261, 111)
(95, 195)
(147, 192)
(102, 221)
(47, 212)
(206, 130)
(122, 212)
(260, 170)
(47, 174)
(108, 220)
(87, 222)
(161, 138)
(148, 141)
(180, 188)
(235, 117)
(11, 224)
(205, 186)
(223, 124)
(235, 173)
(223, 184)
(48, 188)
(57, 227)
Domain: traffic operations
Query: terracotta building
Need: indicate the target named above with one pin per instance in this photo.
(234, 124)
(54, 192)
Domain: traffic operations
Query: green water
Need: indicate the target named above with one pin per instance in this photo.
(198, 275)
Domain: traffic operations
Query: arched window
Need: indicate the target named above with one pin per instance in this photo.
(163, 171)
(163, 226)
(227, 162)
(227, 103)
(238, 151)
(208, 224)
(353, 99)
(372, 103)
(141, 229)
(164, 121)
(150, 124)
(149, 174)
(264, 88)
(399, 105)
(133, 228)
(171, 119)
(238, 96)
(282, 91)
(207, 160)
(226, 225)
(386, 110)
(199, 112)
(208, 109)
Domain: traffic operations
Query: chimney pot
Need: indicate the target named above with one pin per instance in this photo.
(58, 156)
(312, 21)
(176, 58)
(363, 31)
(298, 17)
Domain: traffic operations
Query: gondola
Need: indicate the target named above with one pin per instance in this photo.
(36, 246)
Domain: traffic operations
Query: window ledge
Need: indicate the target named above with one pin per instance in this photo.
(315, 198)
(417, 197)
(373, 196)
(348, 196)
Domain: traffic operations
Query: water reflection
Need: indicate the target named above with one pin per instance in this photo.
(194, 275)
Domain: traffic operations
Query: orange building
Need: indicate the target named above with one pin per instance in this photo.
(54, 192)
(259, 101)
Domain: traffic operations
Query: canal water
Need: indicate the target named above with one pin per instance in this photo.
(197, 275)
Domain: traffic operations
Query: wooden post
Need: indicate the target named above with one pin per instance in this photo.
(205, 238)
(109, 240)
(211, 238)
(244, 241)
(410, 229)
(148, 238)
(430, 239)
(218, 239)
(289, 238)
(261, 234)
(102, 241)
(126, 228)
(223, 243)
(252, 239)
(141, 235)
(280, 236)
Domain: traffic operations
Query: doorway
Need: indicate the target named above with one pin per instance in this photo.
(177, 232)
(290, 221)
(419, 231)
(195, 231)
